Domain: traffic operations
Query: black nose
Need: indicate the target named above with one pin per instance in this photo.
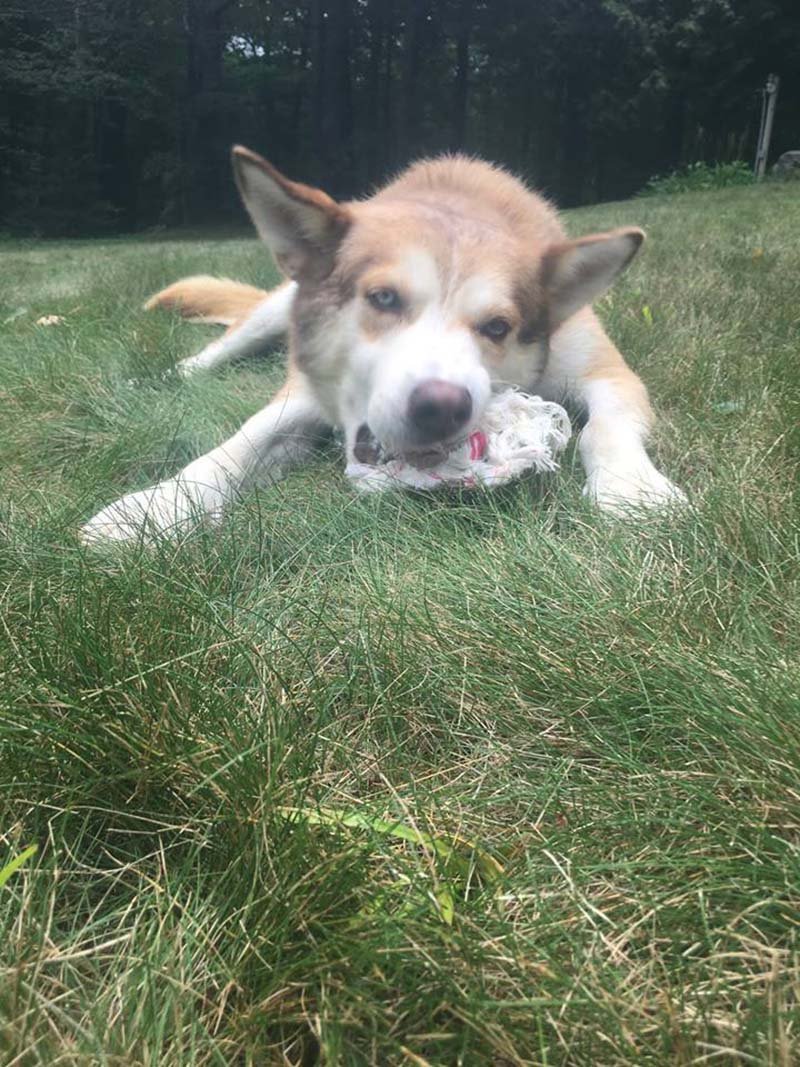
(438, 409)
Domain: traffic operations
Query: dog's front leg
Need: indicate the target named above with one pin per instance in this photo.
(619, 473)
(266, 322)
(270, 442)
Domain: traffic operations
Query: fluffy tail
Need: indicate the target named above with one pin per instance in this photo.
(206, 299)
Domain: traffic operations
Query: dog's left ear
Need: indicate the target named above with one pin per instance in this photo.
(575, 273)
(302, 226)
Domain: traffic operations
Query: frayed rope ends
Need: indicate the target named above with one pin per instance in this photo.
(518, 433)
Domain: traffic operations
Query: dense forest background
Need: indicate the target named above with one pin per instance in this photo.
(117, 115)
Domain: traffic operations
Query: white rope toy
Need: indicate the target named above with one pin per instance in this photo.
(518, 433)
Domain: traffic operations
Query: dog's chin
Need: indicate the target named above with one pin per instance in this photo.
(424, 456)
(420, 454)
(397, 442)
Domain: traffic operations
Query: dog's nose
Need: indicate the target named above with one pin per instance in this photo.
(438, 409)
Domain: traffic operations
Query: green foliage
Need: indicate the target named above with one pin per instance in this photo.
(273, 769)
(456, 864)
(117, 117)
(697, 177)
(14, 864)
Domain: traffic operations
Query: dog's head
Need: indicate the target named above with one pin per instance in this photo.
(412, 303)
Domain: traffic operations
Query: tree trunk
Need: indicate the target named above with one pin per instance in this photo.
(574, 140)
(332, 111)
(408, 112)
(377, 44)
(203, 142)
(461, 89)
(300, 88)
(388, 137)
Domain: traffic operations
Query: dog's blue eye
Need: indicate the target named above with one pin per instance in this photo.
(496, 329)
(384, 299)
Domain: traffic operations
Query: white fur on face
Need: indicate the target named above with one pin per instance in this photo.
(416, 271)
(482, 297)
(430, 342)
(386, 371)
(373, 377)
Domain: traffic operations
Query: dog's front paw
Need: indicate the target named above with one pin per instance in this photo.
(205, 360)
(167, 509)
(622, 489)
(188, 368)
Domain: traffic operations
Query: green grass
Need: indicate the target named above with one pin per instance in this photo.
(609, 712)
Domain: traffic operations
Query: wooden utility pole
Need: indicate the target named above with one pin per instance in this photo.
(769, 97)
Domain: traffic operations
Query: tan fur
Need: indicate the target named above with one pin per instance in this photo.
(470, 216)
(202, 298)
(490, 194)
(499, 228)
(607, 364)
(457, 242)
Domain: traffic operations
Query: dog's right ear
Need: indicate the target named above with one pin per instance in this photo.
(302, 226)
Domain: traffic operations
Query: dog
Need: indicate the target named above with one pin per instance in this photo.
(403, 311)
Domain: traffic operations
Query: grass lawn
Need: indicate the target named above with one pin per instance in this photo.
(403, 780)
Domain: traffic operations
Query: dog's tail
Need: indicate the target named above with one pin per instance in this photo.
(206, 299)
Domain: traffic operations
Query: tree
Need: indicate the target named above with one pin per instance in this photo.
(117, 115)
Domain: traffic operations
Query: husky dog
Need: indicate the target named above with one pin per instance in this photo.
(402, 311)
